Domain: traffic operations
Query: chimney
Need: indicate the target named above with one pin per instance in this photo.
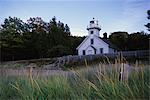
(105, 35)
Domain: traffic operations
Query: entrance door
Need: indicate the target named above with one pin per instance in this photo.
(90, 52)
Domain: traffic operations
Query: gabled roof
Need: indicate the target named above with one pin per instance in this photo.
(89, 37)
(110, 44)
(104, 40)
(91, 47)
(82, 42)
(101, 40)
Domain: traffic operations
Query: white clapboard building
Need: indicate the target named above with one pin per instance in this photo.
(93, 44)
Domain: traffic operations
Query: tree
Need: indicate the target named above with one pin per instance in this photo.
(11, 43)
(58, 33)
(38, 37)
(34, 39)
(74, 42)
(58, 51)
(119, 39)
(67, 30)
(138, 41)
(148, 17)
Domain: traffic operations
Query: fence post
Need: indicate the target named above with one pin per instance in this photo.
(135, 53)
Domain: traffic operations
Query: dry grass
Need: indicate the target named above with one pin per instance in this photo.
(115, 81)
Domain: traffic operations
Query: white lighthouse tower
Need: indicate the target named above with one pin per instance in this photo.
(93, 28)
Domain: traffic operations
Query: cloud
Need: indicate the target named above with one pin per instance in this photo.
(133, 16)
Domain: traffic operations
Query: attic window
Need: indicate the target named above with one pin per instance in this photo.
(92, 41)
(91, 32)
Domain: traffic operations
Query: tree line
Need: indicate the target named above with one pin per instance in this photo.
(39, 39)
(130, 42)
(35, 39)
(133, 41)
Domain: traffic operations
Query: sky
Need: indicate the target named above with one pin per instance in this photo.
(113, 15)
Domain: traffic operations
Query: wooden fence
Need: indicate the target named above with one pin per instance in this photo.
(59, 61)
(140, 54)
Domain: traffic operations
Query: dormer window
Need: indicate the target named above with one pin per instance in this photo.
(91, 32)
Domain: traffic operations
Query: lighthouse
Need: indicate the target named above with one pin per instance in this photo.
(93, 44)
(93, 28)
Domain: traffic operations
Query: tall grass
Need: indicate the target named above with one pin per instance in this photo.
(102, 82)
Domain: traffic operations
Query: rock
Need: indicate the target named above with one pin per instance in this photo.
(51, 67)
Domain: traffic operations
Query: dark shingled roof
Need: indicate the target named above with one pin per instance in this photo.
(110, 44)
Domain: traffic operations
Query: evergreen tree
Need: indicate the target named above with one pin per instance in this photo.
(11, 41)
(148, 17)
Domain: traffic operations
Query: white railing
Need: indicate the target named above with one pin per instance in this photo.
(93, 25)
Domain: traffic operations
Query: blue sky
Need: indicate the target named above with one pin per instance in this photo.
(113, 15)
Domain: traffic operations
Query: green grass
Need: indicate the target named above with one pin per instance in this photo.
(87, 83)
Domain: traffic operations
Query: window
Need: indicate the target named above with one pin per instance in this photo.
(92, 22)
(92, 41)
(83, 52)
(94, 51)
(91, 32)
(101, 50)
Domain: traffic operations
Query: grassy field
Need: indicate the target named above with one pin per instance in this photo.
(104, 82)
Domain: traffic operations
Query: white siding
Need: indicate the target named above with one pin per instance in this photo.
(95, 32)
(98, 43)
(90, 51)
(111, 50)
